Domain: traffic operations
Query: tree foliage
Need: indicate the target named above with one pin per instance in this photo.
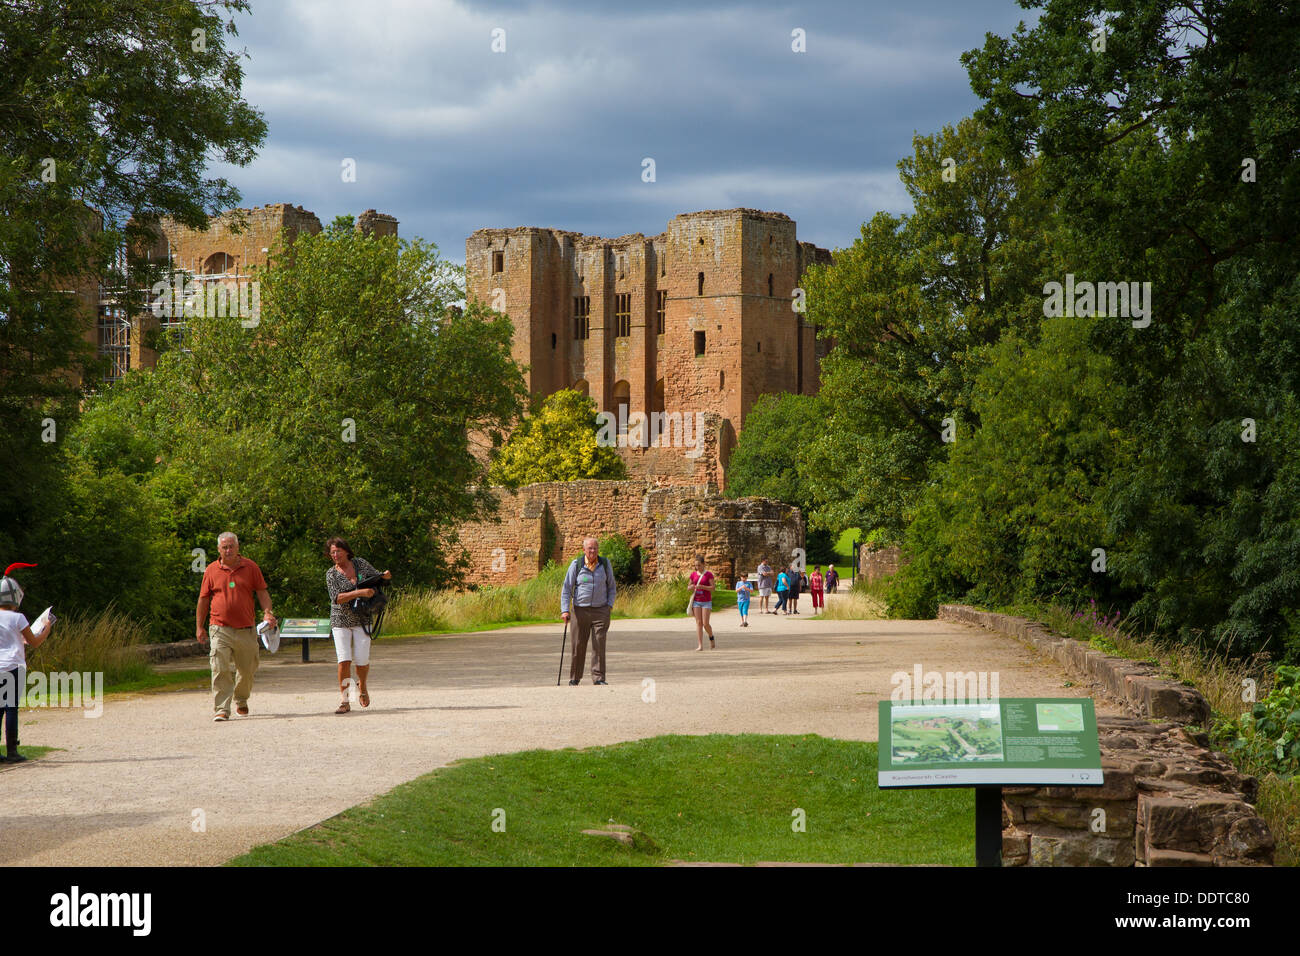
(345, 410)
(557, 443)
(109, 115)
(912, 306)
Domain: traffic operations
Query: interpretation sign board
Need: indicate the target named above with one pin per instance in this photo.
(1009, 741)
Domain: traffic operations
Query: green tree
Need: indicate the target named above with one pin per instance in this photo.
(1176, 152)
(765, 460)
(1015, 513)
(912, 307)
(557, 443)
(345, 410)
(110, 111)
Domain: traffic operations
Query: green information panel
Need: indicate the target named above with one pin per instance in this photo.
(1018, 740)
(304, 627)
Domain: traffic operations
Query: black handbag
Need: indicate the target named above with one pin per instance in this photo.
(371, 609)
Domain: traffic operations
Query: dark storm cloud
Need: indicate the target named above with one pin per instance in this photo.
(449, 136)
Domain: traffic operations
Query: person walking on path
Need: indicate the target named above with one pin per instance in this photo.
(782, 591)
(588, 589)
(764, 584)
(351, 640)
(832, 579)
(227, 592)
(743, 590)
(702, 602)
(15, 637)
(815, 585)
(795, 577)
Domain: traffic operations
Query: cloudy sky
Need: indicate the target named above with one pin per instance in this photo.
(450, 136)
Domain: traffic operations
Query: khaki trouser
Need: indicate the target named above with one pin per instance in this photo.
(233, 658)
(593, 621)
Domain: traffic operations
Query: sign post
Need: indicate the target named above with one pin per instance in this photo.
(1011, 741)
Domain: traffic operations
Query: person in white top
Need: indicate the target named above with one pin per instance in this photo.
(15, 637)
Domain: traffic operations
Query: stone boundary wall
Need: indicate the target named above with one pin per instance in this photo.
(876, 563)
(1167, 800)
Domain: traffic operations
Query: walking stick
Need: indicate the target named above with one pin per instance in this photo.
(563, 641)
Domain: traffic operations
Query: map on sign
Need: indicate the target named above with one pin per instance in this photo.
(1007, 741)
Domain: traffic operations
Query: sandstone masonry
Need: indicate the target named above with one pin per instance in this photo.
(696, 319)
(670, 524)
(1167, 800)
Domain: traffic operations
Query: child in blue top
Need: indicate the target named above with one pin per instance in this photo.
(743, 590)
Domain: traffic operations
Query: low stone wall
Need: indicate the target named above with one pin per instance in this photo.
(1167, 800)
(167, 652)
(876, 563)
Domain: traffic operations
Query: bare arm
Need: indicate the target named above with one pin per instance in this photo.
(201, 618)
(31, 640)
(264, 599)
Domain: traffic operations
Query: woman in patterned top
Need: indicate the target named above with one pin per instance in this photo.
(351, 642)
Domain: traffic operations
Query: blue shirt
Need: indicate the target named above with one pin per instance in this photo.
(588, 587)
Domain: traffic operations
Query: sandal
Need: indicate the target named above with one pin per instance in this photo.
(365, 699)
(343, 708)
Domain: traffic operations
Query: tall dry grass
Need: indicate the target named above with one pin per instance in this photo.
(425, 610)
(104, 642)
(854, 605)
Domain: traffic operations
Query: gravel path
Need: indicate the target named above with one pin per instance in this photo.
(125, 788)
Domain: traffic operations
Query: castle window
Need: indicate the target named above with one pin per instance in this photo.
(700, 287)
(769, 284)
(552, 340)
(722, 380)
(622, 405)
(582, 317)
(622, 315)
(760, 346)
(661, 311)
(498, 261)
(699, 343)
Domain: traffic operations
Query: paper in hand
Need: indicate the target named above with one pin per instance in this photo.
(42, 623)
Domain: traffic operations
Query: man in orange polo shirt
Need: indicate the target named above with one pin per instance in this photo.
(227, 591)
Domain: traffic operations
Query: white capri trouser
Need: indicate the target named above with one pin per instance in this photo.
(352, 644)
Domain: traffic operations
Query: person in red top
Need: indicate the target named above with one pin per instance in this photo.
(702, 602)
(815, 585)
(227, 592)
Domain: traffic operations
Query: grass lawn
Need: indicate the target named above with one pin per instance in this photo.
(717, 798)
(168, 680)
(31, 753)
(844, 552)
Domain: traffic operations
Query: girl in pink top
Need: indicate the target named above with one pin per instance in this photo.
(815, 585)
(702, 602)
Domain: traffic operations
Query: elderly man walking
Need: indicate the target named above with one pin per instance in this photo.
(227, 592)
(589, 590)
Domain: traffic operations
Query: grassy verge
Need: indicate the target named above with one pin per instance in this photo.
(1217, 676)
(424, 611)
(855, 605)
(31, 753)
(717, 798)
(844, 552)
(168, 680)
(103, 643)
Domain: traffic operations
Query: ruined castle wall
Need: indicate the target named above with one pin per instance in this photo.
(751, 339)
(670, 524)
